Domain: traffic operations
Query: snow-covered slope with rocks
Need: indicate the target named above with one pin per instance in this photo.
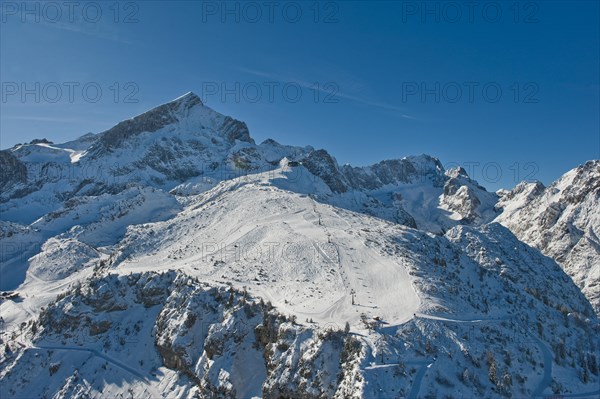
(172, 256)
(562, 221)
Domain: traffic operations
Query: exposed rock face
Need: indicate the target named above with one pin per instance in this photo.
(461, 198)
(12, 171)
(161, 117)
(236, 130)
(562, 221)
(166, 159)
(467, 198)
(396, 171)
(378, 190)
(150, 121)
(526, 191)
(321, 164)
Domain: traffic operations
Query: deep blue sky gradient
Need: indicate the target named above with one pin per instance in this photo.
(373, 59)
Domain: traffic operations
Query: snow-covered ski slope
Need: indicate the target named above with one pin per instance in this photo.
(302, 255)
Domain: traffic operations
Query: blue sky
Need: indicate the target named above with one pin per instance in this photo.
(507, 89)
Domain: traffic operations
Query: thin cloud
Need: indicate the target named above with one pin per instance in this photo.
(44, 119)
(340, 94)
(81, 27)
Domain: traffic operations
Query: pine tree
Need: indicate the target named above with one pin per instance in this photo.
(585, 376)
(592, 364)
(231, 298)
(493, 373)
(507, 380)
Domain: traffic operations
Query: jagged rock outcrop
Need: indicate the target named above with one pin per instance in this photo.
(467, 198)
(12, 171)
(150, 121)
(563, 222)
(323, 165)
(417, 169)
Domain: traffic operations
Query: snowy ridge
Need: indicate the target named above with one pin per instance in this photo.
(562, 221)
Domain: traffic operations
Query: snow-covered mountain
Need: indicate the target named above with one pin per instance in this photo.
(184, 147)
(172, 256)
(562, 221)
(186, 142)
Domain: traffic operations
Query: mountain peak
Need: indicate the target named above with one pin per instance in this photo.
(189, 99)
(150, 121)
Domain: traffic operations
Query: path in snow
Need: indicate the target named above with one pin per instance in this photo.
(36, 293)
(416, 385)
(109, 359)
(586, 395)
(475, 320)
(422, 365)
(547, 355)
